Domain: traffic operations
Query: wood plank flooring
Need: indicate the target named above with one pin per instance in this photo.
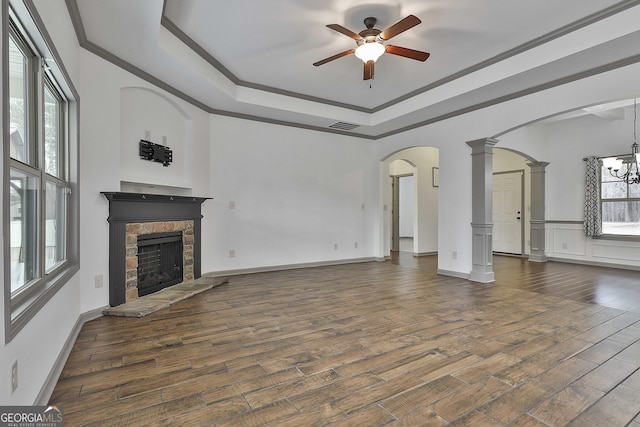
(371, 344)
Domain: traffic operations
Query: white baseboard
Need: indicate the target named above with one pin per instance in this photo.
(287, 267)
(451, 273)
(595, 263)
(52, 379)
(431, 253)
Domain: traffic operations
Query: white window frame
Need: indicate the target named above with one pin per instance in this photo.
(604, 171)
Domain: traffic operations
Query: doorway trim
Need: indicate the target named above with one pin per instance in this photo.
(523, 219)
(395, 210)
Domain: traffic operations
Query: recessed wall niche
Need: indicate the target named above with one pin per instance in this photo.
(149, 115)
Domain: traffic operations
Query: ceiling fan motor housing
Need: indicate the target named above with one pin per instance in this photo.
(370, 34)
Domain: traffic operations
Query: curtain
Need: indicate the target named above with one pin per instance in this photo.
(592, 208)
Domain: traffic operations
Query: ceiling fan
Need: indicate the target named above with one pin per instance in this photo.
(371, 43)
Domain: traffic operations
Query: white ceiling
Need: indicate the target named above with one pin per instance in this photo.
(253, 58)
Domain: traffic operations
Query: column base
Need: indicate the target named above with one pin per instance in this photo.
(537, 258)
(482, 276)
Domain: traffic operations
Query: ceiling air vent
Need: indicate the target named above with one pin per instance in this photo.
(343, 126)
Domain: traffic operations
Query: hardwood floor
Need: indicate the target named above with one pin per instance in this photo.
(380, 343)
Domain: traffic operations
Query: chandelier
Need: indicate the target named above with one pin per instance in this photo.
(629, 169)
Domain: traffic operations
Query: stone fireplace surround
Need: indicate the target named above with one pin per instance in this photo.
(135, 229)
(131, 214)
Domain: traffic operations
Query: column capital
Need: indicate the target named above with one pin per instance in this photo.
(538, 165)
(482, 145)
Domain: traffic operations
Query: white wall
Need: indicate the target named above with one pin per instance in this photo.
(569, 142)
(142, 110)
(296, 194)
(407, 195)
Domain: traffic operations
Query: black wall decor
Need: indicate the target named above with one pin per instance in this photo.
(155, 152)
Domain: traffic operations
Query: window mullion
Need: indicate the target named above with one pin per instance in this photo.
(32, 117)
(37, 98)
(62, 146)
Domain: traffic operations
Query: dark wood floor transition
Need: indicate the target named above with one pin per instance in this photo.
(371, 344)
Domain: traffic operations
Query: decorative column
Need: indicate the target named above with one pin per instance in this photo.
(537, 247)
(482, 210)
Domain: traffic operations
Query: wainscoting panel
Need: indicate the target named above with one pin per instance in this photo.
(616, 250)
(567, 242)
(568, 239)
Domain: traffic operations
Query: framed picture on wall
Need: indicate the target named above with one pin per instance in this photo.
(435, 176)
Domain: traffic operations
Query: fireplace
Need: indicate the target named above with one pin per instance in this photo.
(159, 261)
(145, 232)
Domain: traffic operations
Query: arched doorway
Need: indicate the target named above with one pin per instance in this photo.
(421, 164)
(403, 206)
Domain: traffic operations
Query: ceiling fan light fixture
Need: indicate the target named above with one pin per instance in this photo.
(370, 51)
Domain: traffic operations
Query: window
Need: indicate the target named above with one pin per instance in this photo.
(620, 203)
(41, 229)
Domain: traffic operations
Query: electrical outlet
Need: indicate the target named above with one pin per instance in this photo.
(232, 253)
(454, 255)
(147, 135)
(355, 245)
(99, 281)
(14, 377)
(232, 205)
(335, 246)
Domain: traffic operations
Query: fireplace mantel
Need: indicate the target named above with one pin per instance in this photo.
(127, 208)
(137, 207)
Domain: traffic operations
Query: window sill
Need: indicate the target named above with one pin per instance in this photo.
(24, 310)
(619, 238)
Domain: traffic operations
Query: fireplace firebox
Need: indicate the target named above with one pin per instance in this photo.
(159, 261)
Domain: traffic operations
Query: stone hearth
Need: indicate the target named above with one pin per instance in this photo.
(164, 298)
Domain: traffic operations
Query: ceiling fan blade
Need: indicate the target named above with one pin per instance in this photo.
(407, 53)
(399, 27)
(368, 70)
(331, 58)
(345, 31)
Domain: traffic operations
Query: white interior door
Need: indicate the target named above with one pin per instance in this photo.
(507, 213)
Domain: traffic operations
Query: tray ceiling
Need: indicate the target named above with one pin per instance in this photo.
(251, 58)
